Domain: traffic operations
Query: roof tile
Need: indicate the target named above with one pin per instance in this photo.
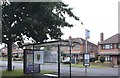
(114, 39)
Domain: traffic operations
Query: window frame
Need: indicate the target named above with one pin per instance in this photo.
(108, 46)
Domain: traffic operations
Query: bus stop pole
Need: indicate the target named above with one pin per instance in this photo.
(58, 60)
(86, 66)
(70, 61)
(70, 44)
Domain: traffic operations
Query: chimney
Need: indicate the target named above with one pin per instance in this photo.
(101, 37)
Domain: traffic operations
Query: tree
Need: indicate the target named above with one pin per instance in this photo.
(33, 20)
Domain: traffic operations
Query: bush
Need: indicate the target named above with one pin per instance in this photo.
(92, 59)
(102, 59)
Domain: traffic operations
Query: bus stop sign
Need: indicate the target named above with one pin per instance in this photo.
(86, 59)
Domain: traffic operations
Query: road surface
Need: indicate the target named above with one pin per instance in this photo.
(65, 69)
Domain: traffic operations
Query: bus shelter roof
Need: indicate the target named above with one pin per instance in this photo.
(53, 43)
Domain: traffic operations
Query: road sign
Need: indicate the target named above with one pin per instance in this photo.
(87, 34)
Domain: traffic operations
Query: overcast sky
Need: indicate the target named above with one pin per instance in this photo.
(97, 15)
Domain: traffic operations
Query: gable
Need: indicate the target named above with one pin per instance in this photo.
(114, 39)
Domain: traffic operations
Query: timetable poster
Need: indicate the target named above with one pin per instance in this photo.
(38, 57)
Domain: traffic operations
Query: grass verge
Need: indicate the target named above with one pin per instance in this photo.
(91, 66)
(47, 71)
(19, 73)
(3, 59)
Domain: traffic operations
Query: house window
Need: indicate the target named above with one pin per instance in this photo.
(111, 46)
(77, 47)
(68, 48)
(108, 46)
(119, 45)
(92, 45)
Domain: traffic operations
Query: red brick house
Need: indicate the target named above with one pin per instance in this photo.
(110, 48)
(78, 50)
(16, 51)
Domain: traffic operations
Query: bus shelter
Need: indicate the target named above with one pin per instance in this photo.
(37, 46)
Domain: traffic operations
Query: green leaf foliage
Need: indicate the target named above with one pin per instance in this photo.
(36, 20)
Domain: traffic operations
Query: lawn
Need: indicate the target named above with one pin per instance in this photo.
(19, 72)
(5, 59)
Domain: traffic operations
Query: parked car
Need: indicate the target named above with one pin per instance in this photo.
(17, 59)
(66, 60)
